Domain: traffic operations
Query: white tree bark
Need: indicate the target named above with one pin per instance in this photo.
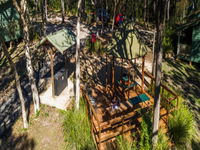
(63, 10)
(22, 9)
(158, 72)
(17, 81)
(77, 99)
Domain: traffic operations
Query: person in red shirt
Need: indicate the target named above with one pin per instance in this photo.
(119, 19)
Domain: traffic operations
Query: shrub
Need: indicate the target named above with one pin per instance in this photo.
(162, 141)
(123, 144)
(146, 130)
(181, 127)
(77, 129)
(168, 39)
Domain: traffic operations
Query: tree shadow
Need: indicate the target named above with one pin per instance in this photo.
(21, 142)
(186, 80)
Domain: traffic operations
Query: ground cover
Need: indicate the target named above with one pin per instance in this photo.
(45, 132)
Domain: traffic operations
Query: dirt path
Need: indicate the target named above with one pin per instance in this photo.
(45, 133)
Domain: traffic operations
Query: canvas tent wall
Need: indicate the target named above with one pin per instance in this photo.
(9, 21)
(189, 40)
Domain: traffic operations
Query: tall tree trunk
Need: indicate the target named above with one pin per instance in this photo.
(159, 54)
(17, 81)
(168, 9)
(23, 16)
(44, 16)
(63, 10)
(78, 56)
(154, 54)
(115, 7)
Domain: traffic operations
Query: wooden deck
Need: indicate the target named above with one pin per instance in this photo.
(107, 123)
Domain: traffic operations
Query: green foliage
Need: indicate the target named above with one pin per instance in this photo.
(162, 141)
(181, 126)
(168, 39)
(54, 4)
(71, 7)
(146, 131)
(96, 47)
(77, 129)
(123, 144)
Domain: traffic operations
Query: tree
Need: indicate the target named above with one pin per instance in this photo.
(77, 55)
(44, 16)
(159, 18)
(63, 10)
(17, 81)
(23, 11)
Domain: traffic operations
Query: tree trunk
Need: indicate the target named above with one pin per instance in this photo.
(113, 23)
(17, 81)
(63, 10)
(44, 17)
(168, 9)
(158, 73)
(178, 46)
(154, 54)
(23, 14)
(78, 56)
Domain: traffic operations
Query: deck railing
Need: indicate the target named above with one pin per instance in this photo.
(91, 113)
(169, 99)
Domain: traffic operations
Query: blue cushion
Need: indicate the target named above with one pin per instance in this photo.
(138, 99)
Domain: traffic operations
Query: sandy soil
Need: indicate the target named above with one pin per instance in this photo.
(44, 133)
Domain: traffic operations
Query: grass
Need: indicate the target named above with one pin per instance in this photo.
(181, 127)
(123, 144)
(163, 141)
(77, 129)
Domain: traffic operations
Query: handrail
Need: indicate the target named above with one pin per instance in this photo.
(93, 111)
(96, 118)
(164, 86)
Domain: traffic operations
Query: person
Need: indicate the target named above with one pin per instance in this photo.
(119, 19)
(91, 98)
(115, 103)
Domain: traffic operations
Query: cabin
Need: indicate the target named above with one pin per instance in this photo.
(188, 47)
(9, 21)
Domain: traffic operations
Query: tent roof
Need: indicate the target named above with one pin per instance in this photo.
(9, 21)
(61, 40)
(127, 45)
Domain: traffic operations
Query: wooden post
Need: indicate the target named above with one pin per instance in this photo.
(106, 73)
(52, 71)
(113, 73)
(143, 61)
(179, 46)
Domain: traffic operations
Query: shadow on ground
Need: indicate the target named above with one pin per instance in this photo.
(186, 80)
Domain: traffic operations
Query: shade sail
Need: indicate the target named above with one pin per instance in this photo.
(61, 40)
(127, 45)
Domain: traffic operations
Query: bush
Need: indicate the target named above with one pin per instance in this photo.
(146, 131)
(123, 144)
(181, 127)
(77, 129)
(162, 141)
(96, 47)
(168, 39)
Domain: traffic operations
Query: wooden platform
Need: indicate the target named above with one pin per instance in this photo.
(107, 123)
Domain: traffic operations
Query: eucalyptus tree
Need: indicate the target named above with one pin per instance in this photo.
(21, 7)
(17, 81)
(159, 23)
(63, 10)
(77, 93)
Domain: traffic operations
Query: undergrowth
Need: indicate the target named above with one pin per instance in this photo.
(77, 129)
(181, 127)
